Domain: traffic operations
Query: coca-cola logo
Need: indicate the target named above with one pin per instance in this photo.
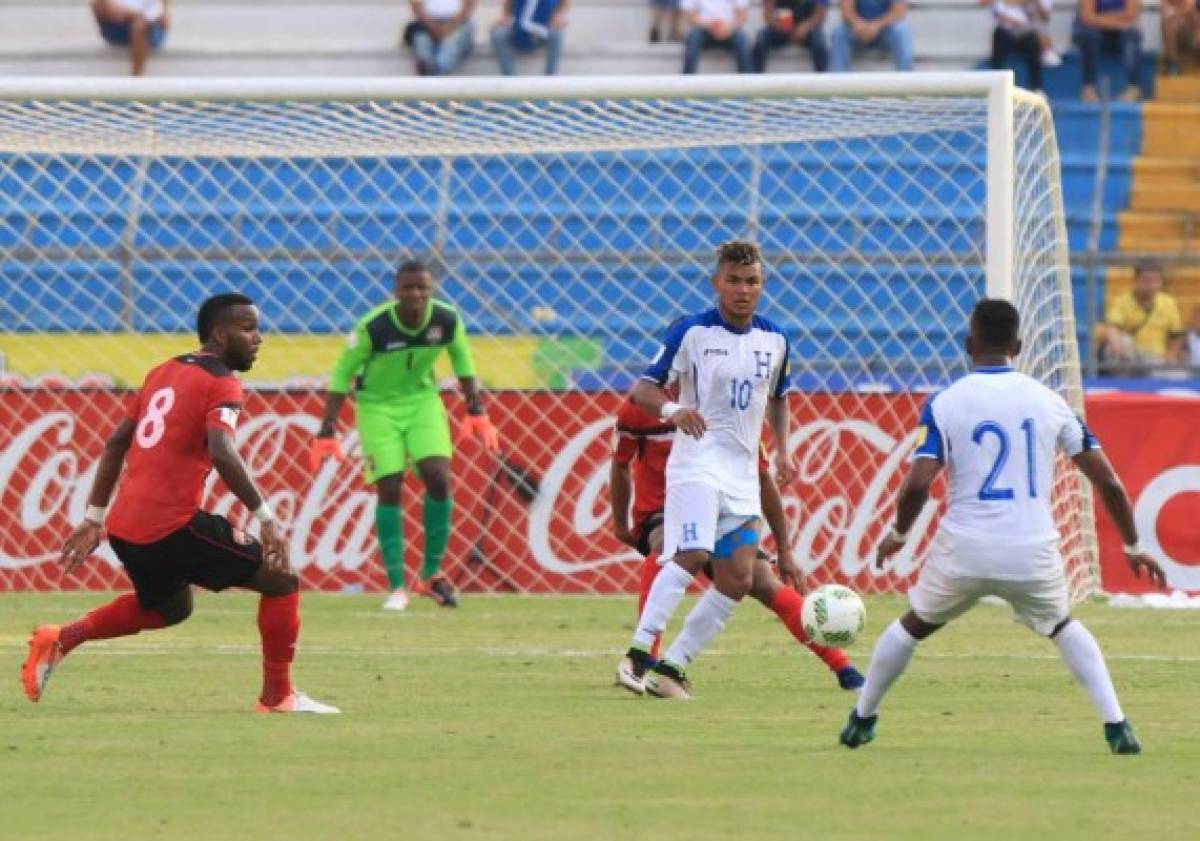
(1154, 497)
(848, 503)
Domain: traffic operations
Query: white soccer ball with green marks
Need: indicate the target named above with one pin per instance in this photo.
(833, 615)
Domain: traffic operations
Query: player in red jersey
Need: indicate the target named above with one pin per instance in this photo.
(176, 429)
(640, 463)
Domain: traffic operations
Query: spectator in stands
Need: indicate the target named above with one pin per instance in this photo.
(1143, 325)
(666, 13)
(527, 25)
(873, 23)
(793, 22)
(1021, 28)
(1113, 25)
(1180, 31)
(140, 25)
(441, 35)
(716, 23)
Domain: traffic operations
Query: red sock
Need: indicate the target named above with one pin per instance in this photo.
(279, 625)
(649, 572)
(787, 605)
(122, 617)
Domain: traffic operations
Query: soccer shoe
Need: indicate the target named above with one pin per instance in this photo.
(858, 731)
(297, 702)
(398, 600)
(631, 671)
(439, 589)
(666, 681)
(45, 652)
(850, 678)
(1121, 738)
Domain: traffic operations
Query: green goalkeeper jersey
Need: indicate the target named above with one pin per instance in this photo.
(393, 363)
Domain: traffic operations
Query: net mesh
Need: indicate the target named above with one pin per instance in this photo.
(568, 234)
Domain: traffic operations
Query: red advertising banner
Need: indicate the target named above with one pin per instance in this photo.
(1154, 444)
(536, 518)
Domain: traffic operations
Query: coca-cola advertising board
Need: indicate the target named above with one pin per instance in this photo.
(535, 518)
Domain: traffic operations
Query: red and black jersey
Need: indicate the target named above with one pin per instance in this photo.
(168, 461)
(645, 442)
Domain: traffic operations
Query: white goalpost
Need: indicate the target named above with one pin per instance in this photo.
(569, 220)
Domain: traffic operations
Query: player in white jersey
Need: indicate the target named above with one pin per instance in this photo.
(731, 368)
(996, 431)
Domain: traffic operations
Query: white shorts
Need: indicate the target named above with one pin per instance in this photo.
(1039, 603)
(696, 515)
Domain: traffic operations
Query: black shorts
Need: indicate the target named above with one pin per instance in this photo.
(208, 551)
(647, 525)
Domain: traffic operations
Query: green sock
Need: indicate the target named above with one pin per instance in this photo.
(389, 526)
(437, 533)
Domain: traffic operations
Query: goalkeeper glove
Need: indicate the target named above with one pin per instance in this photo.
(321, 448)
(481, 427)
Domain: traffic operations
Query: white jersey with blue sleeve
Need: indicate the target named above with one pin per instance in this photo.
(728, 375)
(996, 431)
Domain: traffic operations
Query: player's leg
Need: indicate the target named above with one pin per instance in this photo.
(787, 604)
(427, 443)
(650, 541)
(161, 597)
(689, 534)
(935, 600)
(1044, 606)
(733, 560)
(381, 436)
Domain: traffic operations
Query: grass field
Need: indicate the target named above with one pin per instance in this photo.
(500, 721)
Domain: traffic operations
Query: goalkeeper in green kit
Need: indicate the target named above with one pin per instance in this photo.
(389, 359)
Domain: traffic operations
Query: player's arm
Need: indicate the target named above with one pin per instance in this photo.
(1096, 467)
(620, 484)
(86, 537)
(650, 394)
(910, 500)
(477, 423)
(772, 507)
(779, 418)
(232, 470)
(353, 357)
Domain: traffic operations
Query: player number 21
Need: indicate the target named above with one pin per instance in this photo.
(153, 425)
(989, 491)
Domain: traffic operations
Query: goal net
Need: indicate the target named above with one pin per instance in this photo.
(569, 221)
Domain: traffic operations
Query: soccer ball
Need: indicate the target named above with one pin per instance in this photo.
(833, 615)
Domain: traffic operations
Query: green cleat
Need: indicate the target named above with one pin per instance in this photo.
(858, 731)
(1121, 738)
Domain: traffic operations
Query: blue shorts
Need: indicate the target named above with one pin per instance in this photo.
(118, 34)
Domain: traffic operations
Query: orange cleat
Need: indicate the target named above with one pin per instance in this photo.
(297, 702)
(45, 652)
(438, 588)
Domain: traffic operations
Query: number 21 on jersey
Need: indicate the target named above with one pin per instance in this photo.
(988, 490)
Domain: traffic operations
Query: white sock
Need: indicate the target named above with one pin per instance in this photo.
(888, 661)
(1082, 653)
(665, 595)
(705, 621)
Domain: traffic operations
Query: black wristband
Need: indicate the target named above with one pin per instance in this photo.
(326, 430)
(475, 409)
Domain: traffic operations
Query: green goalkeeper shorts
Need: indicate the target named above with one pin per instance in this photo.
(401, 434)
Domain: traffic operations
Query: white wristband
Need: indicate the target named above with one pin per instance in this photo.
(96, 514)
(1133, 548)
(263, 513)
(896, 536)
(668, 409)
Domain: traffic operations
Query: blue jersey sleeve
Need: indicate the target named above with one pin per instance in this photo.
(659, 370)
(929, 440)
(784, 384)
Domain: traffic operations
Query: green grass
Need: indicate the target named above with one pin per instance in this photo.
(500, 721)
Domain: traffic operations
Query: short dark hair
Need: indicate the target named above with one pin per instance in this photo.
(214, 310)
(413, 266)
(1149, 267)
(996, 323)
(738, 252)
